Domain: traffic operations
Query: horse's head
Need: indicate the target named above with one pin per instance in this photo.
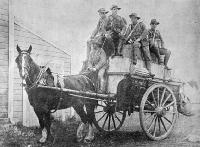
(23, 61)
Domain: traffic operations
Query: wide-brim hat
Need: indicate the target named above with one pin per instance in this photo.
(134, 15)
(102, 10)
(114, 6)
(154, 21)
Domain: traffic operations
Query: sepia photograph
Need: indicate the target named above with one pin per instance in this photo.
(99, 73)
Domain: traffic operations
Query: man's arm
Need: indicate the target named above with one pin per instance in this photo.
(161, 39)
(96, 30)
(144, 33)
(102, 61)
(109, 24)
(89, 61)
(123, 23)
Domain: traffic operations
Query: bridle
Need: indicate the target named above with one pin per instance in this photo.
(26, 70)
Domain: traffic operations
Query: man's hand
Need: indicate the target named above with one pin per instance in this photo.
(130, 41)
(108, 35)
(92, 69)
(138, 40)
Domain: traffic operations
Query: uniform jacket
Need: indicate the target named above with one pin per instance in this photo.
(140, 31)
(101, 27)
(97, 58)
(116, 24)
(155, 35)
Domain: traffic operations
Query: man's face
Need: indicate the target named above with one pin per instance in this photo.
(114, 11)
(134, 19)
(102, 15)
(153, 26)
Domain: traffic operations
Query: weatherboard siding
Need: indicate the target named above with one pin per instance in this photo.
(4, 58)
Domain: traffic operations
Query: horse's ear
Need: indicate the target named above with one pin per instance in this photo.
(18, 49)
(30, 49)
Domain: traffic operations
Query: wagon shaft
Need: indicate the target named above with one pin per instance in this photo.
(82, 93)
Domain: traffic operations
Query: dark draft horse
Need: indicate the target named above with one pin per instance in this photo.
(44, 100)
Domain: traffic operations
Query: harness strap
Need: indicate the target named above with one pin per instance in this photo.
(38, 78)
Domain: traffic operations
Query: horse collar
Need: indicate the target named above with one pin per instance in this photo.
(35, 83)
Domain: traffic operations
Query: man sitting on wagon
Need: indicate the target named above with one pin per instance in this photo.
(97, 62)
(156, 43)
(100, 29)
(136, 35)
(116, 27)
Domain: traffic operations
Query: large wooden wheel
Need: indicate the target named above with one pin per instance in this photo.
(158, 111)
(107, 119)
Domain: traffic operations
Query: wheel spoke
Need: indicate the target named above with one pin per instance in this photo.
(105, 121)
(162, 96)
(149, 117)
(117, 118)
(154, 98)
(101, 117)
(113, 121)
(171, 112)
(170, 104)
(151, 123)
(159, 125)
(163, 124)
(150, 104)
(154, 129)
(158, 97)
(120, 112)
(166, 99)
(149, 111)
(167, 120)
(109, 122)
(99, 111)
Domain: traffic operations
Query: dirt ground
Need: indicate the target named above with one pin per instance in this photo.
(187, 129)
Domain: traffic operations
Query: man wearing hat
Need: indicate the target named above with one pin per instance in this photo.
(157, 43)
(136, 35)
(100, 30)
(97, 62)
(116, 27)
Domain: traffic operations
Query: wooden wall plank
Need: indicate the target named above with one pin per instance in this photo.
(3, 114)
(3, 99)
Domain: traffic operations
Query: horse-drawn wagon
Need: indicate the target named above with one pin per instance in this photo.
(129, 88)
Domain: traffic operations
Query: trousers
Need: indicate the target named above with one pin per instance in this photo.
(136, 46)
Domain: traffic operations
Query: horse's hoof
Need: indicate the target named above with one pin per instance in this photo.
(88, 141)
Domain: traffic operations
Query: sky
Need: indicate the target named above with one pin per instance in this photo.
(69, 24)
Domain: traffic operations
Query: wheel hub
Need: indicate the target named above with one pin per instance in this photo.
(110, 109)
(160, 111)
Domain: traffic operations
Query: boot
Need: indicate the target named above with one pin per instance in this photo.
(148, 65)
(119, 49)
(161, 59)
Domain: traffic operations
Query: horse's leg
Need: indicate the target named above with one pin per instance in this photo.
(41, 119)
(80, 111)
(47, 118)
(90, 114)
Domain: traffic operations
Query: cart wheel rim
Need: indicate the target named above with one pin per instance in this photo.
(158, 111)
(106, 117)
